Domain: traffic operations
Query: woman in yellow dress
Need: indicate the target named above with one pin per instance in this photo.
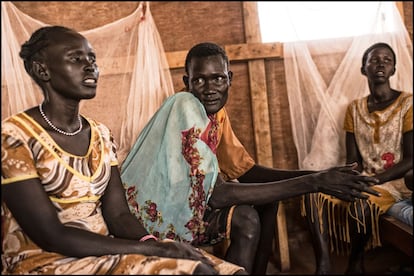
(379, 135)
(64, 209)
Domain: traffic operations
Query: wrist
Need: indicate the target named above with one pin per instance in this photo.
(148, 237)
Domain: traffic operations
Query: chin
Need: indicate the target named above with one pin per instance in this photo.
(90, 96)
(212, 110)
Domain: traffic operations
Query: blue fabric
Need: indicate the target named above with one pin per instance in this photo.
(402, 210)
(168, 183)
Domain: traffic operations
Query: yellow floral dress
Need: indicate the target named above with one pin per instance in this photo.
(74, 185)
(378, 135)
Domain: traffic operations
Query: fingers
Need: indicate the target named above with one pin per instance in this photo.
(370, 179)
(363, 187)
(348, 168)
(353, 165)
(341, 193)
(203, 257)
(357, 194)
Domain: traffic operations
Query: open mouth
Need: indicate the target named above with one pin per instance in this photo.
(90, 82)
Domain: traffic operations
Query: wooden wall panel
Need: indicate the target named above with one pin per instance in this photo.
(183, 24)
(284, 151)
(79, 15)
(408, 17)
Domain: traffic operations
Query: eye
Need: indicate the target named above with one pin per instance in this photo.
(75, 58)
(92, 58)
(220, 79)
(198, 81)
(373, 60)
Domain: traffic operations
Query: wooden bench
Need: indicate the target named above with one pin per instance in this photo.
(396, 233)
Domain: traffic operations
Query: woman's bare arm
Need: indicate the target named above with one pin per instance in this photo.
(35, 213)
(343, 182)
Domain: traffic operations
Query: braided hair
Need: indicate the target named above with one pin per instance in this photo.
(31, 50)
(205, 49)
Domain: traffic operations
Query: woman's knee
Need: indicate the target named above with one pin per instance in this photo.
(246, 221)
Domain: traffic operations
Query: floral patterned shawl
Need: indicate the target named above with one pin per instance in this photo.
(171, 170)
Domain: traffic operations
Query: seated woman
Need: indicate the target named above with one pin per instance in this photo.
(63, 208)
(379, 136)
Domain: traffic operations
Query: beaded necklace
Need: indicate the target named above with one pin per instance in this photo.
(58, 129)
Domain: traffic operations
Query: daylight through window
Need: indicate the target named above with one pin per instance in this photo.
(293, 21)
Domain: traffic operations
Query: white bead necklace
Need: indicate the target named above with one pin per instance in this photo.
(58, 129)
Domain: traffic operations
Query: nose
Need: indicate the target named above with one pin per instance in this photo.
(90, 66)
(209, 83)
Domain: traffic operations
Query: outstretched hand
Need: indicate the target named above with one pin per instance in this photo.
(345, 183)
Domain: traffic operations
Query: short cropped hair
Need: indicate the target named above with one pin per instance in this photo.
(205, 49)
(376, 46)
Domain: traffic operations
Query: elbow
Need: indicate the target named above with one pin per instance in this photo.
(221, 197)
(215, 202)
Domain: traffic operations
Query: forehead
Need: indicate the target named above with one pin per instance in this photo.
(201, 63)
(382, 50)
(68, 40)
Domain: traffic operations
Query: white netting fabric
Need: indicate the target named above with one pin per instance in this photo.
(319, 88)
(134, 73)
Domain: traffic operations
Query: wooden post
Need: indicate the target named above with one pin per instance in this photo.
(258, 89)
(261, 121)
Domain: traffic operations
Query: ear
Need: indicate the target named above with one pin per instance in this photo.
(393, 71)
(363, 71)
(185, 80)
(40, 71)
(230, 73)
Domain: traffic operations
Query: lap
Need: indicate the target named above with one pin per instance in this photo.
(117, 264)
(403, 211)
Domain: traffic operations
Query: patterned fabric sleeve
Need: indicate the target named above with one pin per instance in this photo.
(108, 138)
(408, 119)
(17, 161)
(349, 121)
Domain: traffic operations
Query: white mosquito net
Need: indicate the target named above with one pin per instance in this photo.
(134, 73)
(324, 76)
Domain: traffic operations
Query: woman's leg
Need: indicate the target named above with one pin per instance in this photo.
(267, 214)
(244, 236)
(359, 239)
(320, 239)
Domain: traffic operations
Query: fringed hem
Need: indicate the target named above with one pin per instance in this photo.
(339, 214)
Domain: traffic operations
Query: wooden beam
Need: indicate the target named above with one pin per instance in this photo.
(235, 52)
(258, 89)
(261, 121)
